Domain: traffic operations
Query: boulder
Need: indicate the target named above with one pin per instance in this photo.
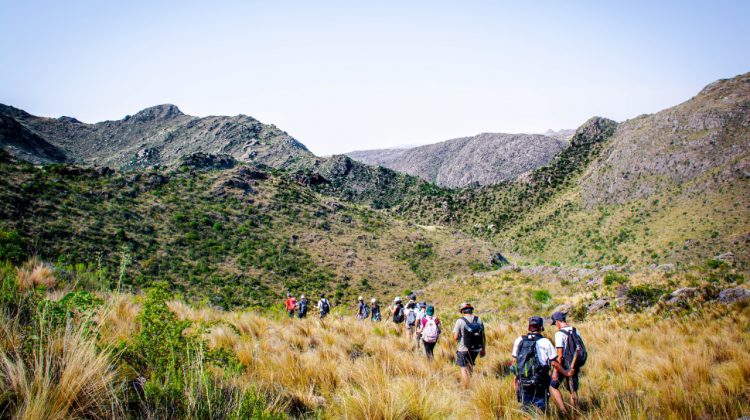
(734, 294)
(498, 260)
(597, 305)
(728, 258)
(682, 295)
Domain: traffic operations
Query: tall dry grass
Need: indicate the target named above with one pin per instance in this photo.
(66, 377)
(35, 273)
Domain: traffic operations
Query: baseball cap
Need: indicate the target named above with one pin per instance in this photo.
(536, 320)
(558, 316)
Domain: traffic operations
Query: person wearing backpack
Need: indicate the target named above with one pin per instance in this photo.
(569, 347)
(421, 312)
(411, 319)
(534, 355)
(429, 331)
(397, 312)
(469, 334)
(324, 307)
(290, 304)
(374, 310)
(363, 311)
(302, 307)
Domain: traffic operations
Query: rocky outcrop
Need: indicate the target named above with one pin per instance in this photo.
(161, 135)
(23, 144)
(484, 159)
(706, 136)
(734, 294)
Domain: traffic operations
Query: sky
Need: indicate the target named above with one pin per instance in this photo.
(349, 75)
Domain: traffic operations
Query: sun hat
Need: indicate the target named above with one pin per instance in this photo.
(466, 305)
(398, 299)
(361, 298)
(373, 300)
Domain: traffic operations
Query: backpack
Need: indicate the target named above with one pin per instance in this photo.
(325, 307)
(430, 331)
(398, 317)
(574, 345)
(302, 307)
(472, 334)
(532, 375)
(364, 311)
(411, 317)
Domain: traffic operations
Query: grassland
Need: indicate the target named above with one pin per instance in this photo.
(69, 352)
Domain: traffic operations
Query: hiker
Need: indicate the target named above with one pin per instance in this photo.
(324, 307)
(375, 310)
(302, 307)
(421, 309)
(363, 311)
(534, 355)
(411, 319)
(429, 331)
(290, 304)
(469, 334)
(570, 348)
(397, 311)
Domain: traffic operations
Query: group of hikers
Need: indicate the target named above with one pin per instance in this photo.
(540, 366)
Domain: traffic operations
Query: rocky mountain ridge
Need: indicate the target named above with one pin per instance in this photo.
(161, 135)
(484, 159)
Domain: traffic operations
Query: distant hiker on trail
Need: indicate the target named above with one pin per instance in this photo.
(363, 311)
(302, 307)
(397, 311)
(290, 304)
(429, 330)
(411, 319)
(571, 352)
(469, 334)
(534, 355)
(324, 307)
(375, 310)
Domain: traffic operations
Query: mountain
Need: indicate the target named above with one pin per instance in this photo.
(161, 135)
(564, 134)
(667, 188)
(18, 141)
(484, 159)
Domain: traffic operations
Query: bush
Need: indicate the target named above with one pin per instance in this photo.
(613, 277)
(644, 296)
(541, 296)
(11, 247)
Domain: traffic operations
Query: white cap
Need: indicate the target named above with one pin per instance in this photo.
(398, 299)
(302, 297)
(361, 298)
(373, 300)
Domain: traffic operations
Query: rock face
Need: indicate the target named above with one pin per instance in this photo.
(159, 135)
(734, 294)
(20, 142)
(484, 159)
(708, 135)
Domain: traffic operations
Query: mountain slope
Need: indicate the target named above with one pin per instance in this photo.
(673, 187)
(22, 143)
(484, 159)
(161, 135)
(233, 237)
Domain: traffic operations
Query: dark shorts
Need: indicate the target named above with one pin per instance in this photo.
(534, 398)
(466, 358)
(570, 383)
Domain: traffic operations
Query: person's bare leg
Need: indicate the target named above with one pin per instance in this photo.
(574, 398)
(557, 397)
(465, 375)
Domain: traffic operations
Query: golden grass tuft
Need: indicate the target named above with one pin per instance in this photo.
(66, 378)
(35, 273)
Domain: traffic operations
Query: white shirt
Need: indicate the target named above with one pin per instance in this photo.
(320, 304)
(561, 339)
(545, 351)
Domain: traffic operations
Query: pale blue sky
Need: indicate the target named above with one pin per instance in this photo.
(348, 75)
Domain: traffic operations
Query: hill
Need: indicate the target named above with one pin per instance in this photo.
(665, 188)
(484, 159)
(238, 236)
(161, 135)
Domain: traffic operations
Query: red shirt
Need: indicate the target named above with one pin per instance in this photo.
(290, 303)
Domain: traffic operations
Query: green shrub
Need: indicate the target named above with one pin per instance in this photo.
(643, 296)
(541, 296)
(613, 277)
(12, 247)
(714, 263)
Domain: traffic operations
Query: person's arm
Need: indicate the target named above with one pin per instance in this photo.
(558, 368)
(559, 357)
(456, 329)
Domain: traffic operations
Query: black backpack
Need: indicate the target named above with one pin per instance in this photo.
(473, 334)
(574, 345)
(302, 308)
(532, 375)
(324, 306)
(398, 316)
